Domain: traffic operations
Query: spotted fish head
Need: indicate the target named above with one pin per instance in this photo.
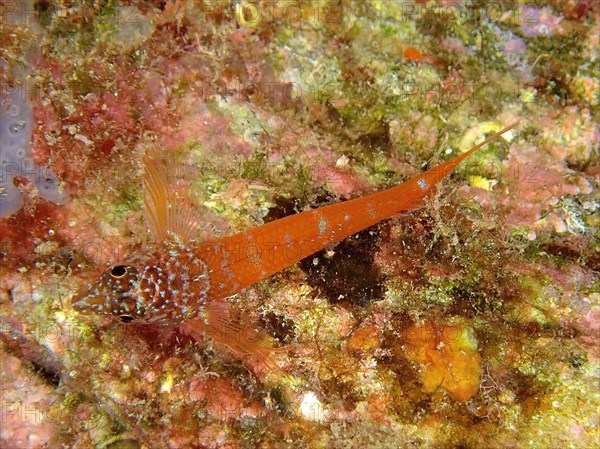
(115, 293)
(167, 284)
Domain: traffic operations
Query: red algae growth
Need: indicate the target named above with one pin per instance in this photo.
(468, 319)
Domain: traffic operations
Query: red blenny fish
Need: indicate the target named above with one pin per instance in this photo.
(176, 280)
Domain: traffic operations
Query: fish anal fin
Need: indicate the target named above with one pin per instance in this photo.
(417, 203)
(418, 199)
(169, 207)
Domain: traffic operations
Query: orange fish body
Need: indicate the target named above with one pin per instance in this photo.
(175, 280)
(238, 261)
(412, 54)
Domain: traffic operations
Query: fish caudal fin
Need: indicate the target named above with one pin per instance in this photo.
(439, 172)
(412, 194)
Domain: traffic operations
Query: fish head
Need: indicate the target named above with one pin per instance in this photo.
(166, 283)
(115, 293)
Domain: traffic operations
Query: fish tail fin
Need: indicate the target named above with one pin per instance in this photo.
(415, 191)
(425, 182)
(447, 167)
(485, 142)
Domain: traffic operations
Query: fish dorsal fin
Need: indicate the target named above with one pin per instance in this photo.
(169, 208)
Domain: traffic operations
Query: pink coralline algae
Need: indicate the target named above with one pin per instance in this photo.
(30, 408)
(539, 22)
(222, 399)
(514, 52)
(514, 46)
(339, 180)
(455, 44)
(590, 324)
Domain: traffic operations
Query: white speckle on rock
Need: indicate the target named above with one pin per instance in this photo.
(342, 161)
(83, 139)
(311, 408)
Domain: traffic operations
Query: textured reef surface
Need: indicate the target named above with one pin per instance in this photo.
(473, 322)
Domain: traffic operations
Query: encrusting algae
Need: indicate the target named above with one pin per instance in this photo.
(447, 356)
(177, 280)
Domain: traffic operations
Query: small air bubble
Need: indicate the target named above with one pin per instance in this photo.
(16, 126)
(13, 110)
(49, 184)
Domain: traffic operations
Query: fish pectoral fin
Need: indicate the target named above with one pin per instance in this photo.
(169, 207)
(244, 342)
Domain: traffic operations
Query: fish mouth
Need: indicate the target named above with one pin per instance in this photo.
(85, 302)
(90, 302)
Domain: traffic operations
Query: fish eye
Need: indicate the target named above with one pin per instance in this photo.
(119, 271)
(126, 318)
